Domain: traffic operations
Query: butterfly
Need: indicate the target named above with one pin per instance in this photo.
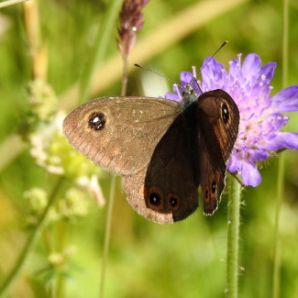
(164, 150)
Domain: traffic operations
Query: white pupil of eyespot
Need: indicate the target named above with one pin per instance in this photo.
(95, 119)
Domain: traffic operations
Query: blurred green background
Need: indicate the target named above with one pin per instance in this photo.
(186, 259)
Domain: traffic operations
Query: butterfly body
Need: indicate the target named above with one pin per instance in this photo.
(162, 149)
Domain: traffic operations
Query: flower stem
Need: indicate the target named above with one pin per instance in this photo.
(281, 163)
(233, 238)
(277, 244)
(107, 236)
(30, 242)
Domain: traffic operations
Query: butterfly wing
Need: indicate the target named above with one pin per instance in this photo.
(166, 191)
(218, 129)
(120, 133)
(213, 168)
(162, 153)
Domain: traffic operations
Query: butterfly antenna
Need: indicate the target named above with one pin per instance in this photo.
(151, 70)
(162, 87)
(155, 72)
(221, 46)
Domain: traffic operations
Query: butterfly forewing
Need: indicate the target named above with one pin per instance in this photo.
(120, 133)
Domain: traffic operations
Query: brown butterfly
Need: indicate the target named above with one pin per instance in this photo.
(163, 150)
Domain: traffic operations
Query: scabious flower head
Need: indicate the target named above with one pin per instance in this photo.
(261, 114)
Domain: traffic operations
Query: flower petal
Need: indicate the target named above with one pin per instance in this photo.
(258, 154)
(235, 69)
(251, 66)
(213, 74)
(286, 100)
(250, 174)
(172, 96)
(272, 123)
(233, 164)
(186, 77)
(267, 72)
(283, 140)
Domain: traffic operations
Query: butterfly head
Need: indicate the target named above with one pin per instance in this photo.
(189, 96)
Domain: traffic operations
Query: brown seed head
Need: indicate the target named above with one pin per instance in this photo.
(131, 21)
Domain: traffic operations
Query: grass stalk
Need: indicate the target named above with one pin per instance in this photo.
(11, 277)
(61, 242)
(233, 238)
(124, 76)
(37, 50)
(112, 195)
(281, 163)
(107, 237)
(102, 41)
(10, 2)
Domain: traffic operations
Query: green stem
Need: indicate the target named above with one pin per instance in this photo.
(233, 238)
(30, 242)
(107, 237)
(281, 163)
(59, 286)
(277, 242)
(102, 40)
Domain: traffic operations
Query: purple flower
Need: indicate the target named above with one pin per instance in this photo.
(261, 117)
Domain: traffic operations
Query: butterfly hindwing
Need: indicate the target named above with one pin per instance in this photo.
(166, 190)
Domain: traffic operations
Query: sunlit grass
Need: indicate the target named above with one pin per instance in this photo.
(10, 3)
